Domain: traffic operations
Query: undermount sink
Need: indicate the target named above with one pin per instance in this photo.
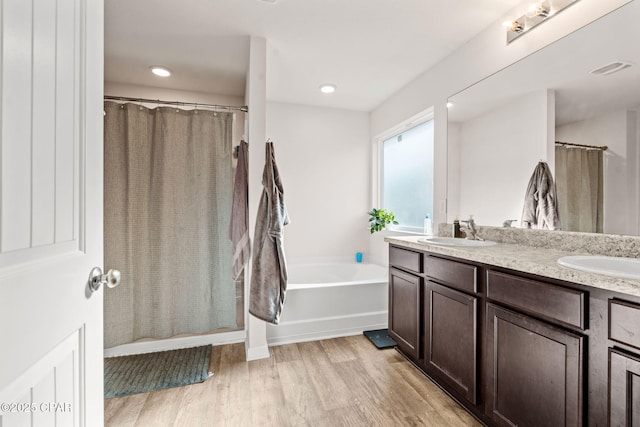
(450, 241)
(628, 268)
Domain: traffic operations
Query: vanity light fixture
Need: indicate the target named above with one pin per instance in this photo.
(542, 11)
(539, 9)
(538, 13)
(327, 88)
(516, 27)
(160, 71)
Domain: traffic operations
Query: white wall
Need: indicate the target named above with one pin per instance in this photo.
(618, 131)
(485, 54)
(256, 95)
(323, 155)
(510, 138)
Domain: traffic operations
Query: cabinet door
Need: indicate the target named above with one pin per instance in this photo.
(624, 389)
(404, 311)
(535, 371)
(451, 337)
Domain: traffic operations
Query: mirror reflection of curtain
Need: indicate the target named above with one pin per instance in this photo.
(167, 206)
(579, 182)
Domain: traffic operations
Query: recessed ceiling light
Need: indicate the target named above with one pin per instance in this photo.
(327, 88)
(160, 71)
(449, 104)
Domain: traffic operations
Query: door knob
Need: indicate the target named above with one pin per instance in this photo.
(96, 278)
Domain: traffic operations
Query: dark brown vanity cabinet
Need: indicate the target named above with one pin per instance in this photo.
(624, 389)
(405, 297)
(404, 311)
(451, 325)
(535, 371)
(624, 365)
(510, 347)
(535, 365)
(451, 331)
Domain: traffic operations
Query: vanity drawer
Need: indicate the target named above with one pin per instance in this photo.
(451, 273)
(624, 322)
(562, 305)
(403, 258)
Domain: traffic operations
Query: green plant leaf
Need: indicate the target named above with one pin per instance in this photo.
(379, 218)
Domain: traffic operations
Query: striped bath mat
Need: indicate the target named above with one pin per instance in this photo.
(140, 373)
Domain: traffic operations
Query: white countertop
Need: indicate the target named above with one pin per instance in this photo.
(528, 259)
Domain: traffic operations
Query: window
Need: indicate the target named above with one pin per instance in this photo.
(406, 181)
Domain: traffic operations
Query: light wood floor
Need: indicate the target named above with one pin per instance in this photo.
(337, 382)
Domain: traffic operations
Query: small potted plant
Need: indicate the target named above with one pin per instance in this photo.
(380, 218)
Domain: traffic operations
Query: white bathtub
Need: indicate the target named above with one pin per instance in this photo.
(331, 299)
(328, 274)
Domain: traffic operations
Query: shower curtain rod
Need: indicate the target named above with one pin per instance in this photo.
(597, 147)
(243, 108)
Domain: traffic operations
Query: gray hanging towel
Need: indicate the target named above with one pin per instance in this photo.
(239, 225)
(269, 272)
(540, 201)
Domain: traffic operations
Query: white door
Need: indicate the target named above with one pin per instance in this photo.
(51, 117)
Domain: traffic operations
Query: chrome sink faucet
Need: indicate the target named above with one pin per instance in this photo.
(469, 228)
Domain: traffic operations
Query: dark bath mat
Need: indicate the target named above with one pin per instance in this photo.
(141, 373)
(380, 338)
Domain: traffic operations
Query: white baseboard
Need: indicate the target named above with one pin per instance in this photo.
(325, 328)
(176, 343)
(284, 333)
(255, 353)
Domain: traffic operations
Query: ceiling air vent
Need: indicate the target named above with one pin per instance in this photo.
(611, 68)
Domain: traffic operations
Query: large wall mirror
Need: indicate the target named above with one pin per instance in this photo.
(503, 126)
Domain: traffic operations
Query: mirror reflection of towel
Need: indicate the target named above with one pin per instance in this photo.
(540, 201)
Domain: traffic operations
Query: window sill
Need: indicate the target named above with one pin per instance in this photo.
(413, 232)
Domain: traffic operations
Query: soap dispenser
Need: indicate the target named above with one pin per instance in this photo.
(456, 228)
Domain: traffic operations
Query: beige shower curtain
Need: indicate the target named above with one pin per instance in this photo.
(167, 204)
(579, 182)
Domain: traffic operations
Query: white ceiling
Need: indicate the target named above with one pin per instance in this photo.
(369, 48)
